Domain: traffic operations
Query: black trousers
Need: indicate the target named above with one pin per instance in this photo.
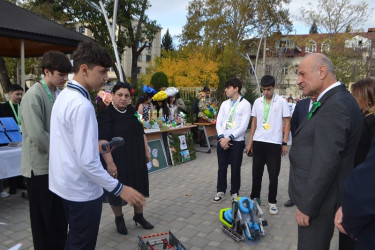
(345, 242)
(232, 156)
(266, 154)
(84, 220)
(48, 222)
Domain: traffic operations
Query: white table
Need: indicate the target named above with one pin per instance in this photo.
(10, 161)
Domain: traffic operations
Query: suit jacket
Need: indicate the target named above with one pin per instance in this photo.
(300, 112)
(322, 153)
(358, 202)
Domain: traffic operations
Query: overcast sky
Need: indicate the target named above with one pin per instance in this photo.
(171, 14)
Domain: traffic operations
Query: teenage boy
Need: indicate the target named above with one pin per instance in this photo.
(12, 109)
(267, 141)
(76, 173)
(48, 222)
(231, 124)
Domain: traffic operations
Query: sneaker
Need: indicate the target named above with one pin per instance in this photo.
(234, 197)
(4, 194)
(273, 209)
(218, 197)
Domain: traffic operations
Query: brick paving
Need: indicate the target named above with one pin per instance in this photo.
(180, 201)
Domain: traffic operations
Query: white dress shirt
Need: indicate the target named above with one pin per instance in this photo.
(241, 119)
(75, 170)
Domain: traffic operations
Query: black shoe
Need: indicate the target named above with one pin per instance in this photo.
(120, 224)
(138, 218)
(12, 190)
(289, 203)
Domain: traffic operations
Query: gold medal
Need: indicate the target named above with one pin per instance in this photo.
(266, 126)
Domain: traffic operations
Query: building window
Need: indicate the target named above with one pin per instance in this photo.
(139, 59)
(82, 29)
(139, 70)
(310, 46)
(148, 58)
(325, 46)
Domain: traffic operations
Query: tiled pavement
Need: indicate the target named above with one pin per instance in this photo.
(180, 201)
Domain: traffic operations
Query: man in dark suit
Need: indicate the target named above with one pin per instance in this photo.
(300, 112)
(322, 153)
(357, 215)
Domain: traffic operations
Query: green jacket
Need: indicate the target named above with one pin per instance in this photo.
(36, 111)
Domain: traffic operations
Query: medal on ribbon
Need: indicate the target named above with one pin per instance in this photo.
(266, 126)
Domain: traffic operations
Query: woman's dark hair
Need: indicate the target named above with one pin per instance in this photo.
(206, 89)
(120, 85)
(144, 97)
(164, 107)
(178, 95)
(169, 100)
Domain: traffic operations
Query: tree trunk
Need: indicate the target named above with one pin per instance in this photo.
(4, 78)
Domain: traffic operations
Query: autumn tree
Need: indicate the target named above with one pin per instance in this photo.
(167, 41)
(191, 69)
(334, 16)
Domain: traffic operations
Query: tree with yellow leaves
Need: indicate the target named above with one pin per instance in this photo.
(192, 69)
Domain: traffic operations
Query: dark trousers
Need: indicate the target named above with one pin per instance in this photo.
(232, 156)
(84, 220)
(266, 154)
(48, 222)
(318, 234)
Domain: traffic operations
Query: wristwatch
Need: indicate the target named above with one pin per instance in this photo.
(284, 144)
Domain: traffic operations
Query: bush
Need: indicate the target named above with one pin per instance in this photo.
(159, 80)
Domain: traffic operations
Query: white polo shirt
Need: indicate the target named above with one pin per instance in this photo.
(278, 110)
(241, 119)
(75, 171)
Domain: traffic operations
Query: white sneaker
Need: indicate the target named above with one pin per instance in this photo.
(234, 197)
(4, 194)
(218, 197)
(273, 209)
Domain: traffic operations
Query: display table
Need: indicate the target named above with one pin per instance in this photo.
(209, 130)
(156, 136)
(10, 161)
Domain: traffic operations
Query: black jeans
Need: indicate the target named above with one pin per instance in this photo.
(269, 154)
(84, 220)
(232, 156)
(48, 222)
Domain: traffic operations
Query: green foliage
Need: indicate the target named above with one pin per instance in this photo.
(159, 80)
(314, 28)
(167, 42)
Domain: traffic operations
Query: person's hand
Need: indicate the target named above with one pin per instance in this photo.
(132, 196)
(108, 148)
(249, 147)
(148, 156)
(284, 150)
(302, 219)
(338, 220)
(224, 143)
(112, 170)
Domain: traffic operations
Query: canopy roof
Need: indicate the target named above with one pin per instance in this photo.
(39, 34)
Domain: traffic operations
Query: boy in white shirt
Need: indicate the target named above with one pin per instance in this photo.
(231, 125)
(76, 173)
(267, 140)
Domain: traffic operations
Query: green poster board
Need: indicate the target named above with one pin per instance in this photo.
(158, 158)
(181, 147)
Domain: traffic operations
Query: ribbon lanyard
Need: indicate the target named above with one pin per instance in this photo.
(233, 109)
(48, 91)
(16, 114)
(267, 109)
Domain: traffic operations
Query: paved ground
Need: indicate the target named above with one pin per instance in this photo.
(180, 201)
